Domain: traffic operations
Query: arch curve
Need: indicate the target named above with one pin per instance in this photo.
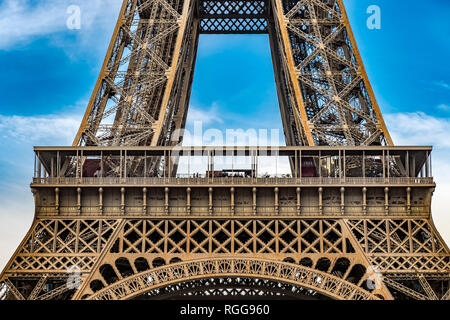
(319, 281)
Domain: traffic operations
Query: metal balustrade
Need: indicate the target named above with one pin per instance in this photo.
(138, 181)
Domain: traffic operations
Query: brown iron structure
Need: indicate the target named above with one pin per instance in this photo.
(352, 221)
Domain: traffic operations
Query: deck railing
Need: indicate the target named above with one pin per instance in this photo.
(233, 181)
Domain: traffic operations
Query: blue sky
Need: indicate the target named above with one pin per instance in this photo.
(48, 73)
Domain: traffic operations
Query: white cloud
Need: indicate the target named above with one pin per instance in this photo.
(442, 84)
(60, 129)
(205, 116)
(23, 20)
(444, 107)
(418, 128)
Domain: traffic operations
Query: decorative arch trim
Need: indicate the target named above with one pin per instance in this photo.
(319, 281)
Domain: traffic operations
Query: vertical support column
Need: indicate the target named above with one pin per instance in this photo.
(408, 170)
(295, 164)
(208, 172)
(35, 167)
(121, 165)
(213, 154)
(188, 201)
(36, 203)
(125, 166)
(320, 165)
(408, 200)
(81, 164)
(276, 166)
(364, 200)
(166, 200)
(388, 165)
(340, 165)
(232, 200)
(364, 166)
(169, 161)
(122, 200)
(320, 200)
(342, 200)
(58, 164)
(100, 200)
(57, 200)
(102, 167)
(277, 207)
(300, 165)
(257, 163)
(232, 167)
(210, 192)
(254, 192)
(345, 165)
(79, 200)
(299, 203)
(165, 164)
(386, 200)
(431, 166)
(77, 174)
(252, 164)
(144, 200)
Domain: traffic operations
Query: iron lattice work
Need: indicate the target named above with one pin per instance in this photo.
(361, 215)
(230, 289)
(141, 96)
(142, 93)
(234, 16)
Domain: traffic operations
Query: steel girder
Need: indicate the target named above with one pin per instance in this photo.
(119, 255)
(327, 96)
(142, 94)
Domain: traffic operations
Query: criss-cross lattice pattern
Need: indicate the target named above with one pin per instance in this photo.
(232, 236)
(396, 245)
(231, 288)
(57, 245)
(233, 16)
(226, 25)
(336, 106)
(138, 75)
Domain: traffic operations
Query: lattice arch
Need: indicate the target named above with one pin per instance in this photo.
(163, 276)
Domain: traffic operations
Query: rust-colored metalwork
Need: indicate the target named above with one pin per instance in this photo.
(114, 221)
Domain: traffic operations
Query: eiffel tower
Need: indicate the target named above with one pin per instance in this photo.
(114, 220)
